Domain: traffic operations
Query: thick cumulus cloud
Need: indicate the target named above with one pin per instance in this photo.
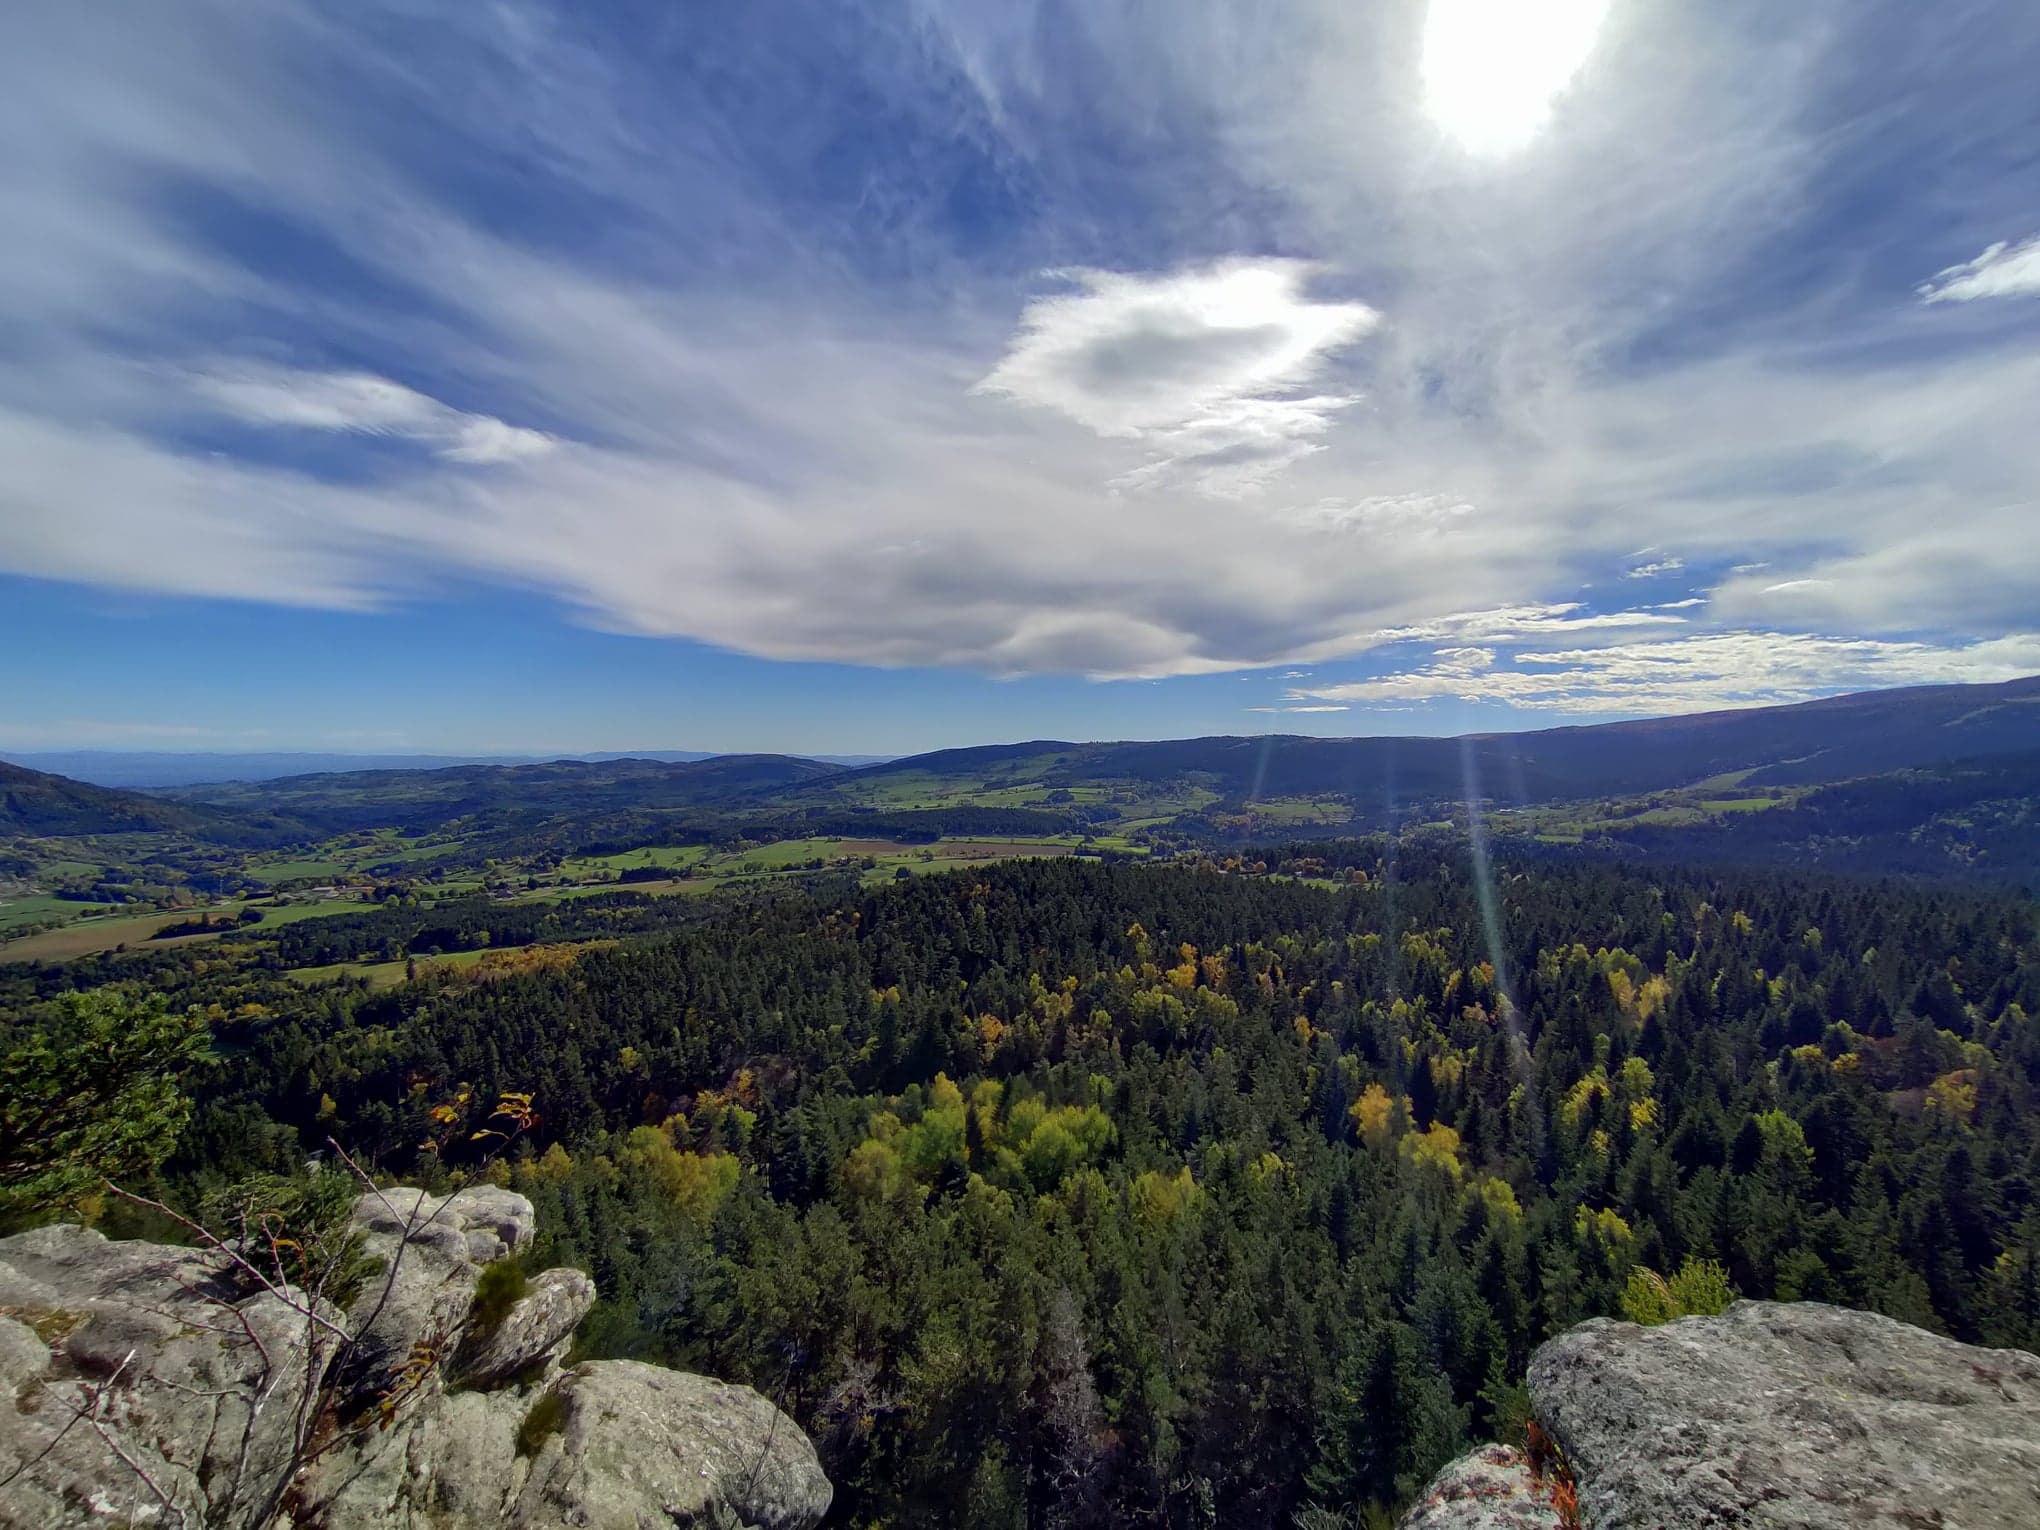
(295, 317)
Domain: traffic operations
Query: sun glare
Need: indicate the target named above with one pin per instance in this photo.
(1494, 68)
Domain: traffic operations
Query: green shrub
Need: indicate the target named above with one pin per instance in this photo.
(499, 1288)
(1699, 1289)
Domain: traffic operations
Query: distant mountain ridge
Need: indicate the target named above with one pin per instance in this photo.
(161, 769)
(337, 802)
(1835, 739)
(1831, 739)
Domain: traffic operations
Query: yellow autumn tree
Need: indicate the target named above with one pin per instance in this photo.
(1373, 1115)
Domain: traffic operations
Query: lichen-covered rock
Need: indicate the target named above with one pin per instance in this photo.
(161, 1386)
(432, 1248)
(453, 1463)
(638, 1445)
(147, 1384)
(532, 1334)
(1491, 1488)
(1792, 1415)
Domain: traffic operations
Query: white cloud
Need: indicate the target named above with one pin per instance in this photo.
(2003, 270)
(1520, 623)
(1382, 514)
(365, 404)
(787, 457)
(1693, 673)
(1198, 366)
(1652, 570)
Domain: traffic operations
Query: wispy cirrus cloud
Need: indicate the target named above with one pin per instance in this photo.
(364, 404)
(2003, 270)
(742, 375)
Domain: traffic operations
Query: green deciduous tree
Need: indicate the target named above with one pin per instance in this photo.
(90, 1091)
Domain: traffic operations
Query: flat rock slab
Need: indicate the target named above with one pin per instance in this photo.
(1798, 1415)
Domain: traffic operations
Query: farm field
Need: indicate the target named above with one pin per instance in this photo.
(1571, 823)
(624, 860)
(350, 855)
(89, 936)
(703, 870)
(292, 913)
(20, 912)
(388, 974)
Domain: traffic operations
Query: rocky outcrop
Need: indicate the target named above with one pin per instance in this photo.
(638, 1445)
(1782, 1415)
(144, 1385)
(157, 1385)
(535, 1333)
(1492, 1488)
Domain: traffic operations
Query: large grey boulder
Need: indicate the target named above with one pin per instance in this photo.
(433, 1249)
(1491, 1488)
(449, 1464)
(642, 1446)
(147, 1385)
(1792, 1415)
(532, 1335)
(160, 1386)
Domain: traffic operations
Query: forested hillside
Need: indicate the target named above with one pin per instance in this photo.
(33, 802)
(1060, 1193)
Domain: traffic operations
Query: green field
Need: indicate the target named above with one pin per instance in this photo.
(312, 869)
(89, 937)
(389, 974)
(1569, 824)
(1300, 810)
(292, 913)
(649, 855)
(94, 932)
(21, 912)
(348, 856)
(705, 870)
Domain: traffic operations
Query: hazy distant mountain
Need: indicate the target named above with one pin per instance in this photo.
(1378, 779)
(502, 794)
(144, 770)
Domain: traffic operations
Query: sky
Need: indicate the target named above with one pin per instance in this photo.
(878, 377)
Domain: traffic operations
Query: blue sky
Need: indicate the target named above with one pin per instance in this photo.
(878, 377)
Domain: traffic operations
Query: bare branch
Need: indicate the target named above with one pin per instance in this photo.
(220, 1245)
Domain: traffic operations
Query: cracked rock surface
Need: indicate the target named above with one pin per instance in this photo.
(155, 1385)
(1781, 1416)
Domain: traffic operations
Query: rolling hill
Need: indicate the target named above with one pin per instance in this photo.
(498, 796)
(33, 802)
(1828, 740)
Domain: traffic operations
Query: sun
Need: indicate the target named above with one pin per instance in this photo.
(1492, 69)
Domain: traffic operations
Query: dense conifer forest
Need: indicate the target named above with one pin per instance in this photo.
(1059, 1193)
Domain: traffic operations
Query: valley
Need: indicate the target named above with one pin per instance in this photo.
(1938, 781)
